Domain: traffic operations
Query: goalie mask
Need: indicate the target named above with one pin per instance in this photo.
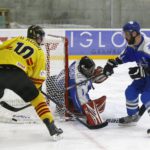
(36, 32)
(86, 66)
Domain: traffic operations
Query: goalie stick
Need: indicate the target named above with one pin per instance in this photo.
(142, 109)
(11, 108)
(76, 117)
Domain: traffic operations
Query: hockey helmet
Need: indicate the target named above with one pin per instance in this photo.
(132, 26)
(86, 66)
(35, 32)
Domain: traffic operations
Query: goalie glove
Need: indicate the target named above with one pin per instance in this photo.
(137, 73)
(99, 75)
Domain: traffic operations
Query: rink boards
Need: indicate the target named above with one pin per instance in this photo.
(97, 43)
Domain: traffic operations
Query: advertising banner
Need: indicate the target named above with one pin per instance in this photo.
(97, 42)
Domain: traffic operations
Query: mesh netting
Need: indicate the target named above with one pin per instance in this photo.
(56, 90)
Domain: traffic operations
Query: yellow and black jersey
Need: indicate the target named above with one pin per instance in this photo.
(26, 54)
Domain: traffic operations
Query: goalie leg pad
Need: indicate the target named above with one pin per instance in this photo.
(100, 102)
(93, 109)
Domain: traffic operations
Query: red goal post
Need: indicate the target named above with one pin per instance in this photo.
(57, 58)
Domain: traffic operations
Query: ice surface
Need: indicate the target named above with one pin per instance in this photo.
(78, 137)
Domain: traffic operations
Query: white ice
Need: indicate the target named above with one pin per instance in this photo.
(78, 137)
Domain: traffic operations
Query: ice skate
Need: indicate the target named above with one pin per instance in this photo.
(53, 130)
(129, 120)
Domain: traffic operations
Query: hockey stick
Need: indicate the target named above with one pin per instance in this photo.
(142, 109)
(11, 108)
(76, 117)
(14, 109)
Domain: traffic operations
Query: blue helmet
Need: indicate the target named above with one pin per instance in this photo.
(132, 26)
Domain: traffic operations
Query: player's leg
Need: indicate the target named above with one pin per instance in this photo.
(132, 98)
(1, 80)
(44, 113)
(1, 92)
(29, 93)
(145, 96)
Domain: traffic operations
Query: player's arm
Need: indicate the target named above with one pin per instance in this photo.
(39, 73)
(127, 55)
(6, 44)
(139, 71)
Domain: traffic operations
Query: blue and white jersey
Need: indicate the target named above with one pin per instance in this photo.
(139, 54)
(79, 95)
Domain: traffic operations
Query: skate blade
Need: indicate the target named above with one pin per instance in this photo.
(57, 137)
(127, 124)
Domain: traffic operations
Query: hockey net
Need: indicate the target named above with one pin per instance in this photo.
(56, 50)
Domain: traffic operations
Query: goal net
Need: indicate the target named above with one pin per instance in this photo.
(56, 51)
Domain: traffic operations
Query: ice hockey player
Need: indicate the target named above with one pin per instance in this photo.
(80, 102)
(22, 70)
(137, 50)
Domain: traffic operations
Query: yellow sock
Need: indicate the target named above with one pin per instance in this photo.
(39, 104)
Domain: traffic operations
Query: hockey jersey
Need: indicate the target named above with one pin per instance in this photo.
(139, 54)
(26, 54)
(79, 94)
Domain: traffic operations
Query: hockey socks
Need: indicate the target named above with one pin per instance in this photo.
(39, 104)
(42, 110)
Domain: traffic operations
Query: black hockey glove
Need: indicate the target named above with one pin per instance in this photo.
(137, 73)
(110, 65)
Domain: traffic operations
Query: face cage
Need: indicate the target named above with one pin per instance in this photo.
(88, 72)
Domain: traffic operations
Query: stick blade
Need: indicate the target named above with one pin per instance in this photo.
(5, 105)
(11, 108)
(102, 125)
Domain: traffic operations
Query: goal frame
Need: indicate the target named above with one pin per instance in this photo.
(65, 67)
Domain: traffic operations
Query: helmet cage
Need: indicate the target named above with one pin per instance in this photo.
(86, 66)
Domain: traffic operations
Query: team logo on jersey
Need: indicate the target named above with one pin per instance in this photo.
(43, 73)
(21, 65)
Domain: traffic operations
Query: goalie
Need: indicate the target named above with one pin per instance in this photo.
(79, 100)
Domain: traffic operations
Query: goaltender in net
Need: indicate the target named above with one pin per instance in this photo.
(79, 101)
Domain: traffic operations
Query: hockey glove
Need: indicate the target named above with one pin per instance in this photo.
(99, 75)
(110, 65)
(136, 73)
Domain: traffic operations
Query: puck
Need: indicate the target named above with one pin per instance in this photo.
(148, 131)
(13, 119)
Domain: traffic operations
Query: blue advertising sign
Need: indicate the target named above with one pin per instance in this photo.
(97, 42)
